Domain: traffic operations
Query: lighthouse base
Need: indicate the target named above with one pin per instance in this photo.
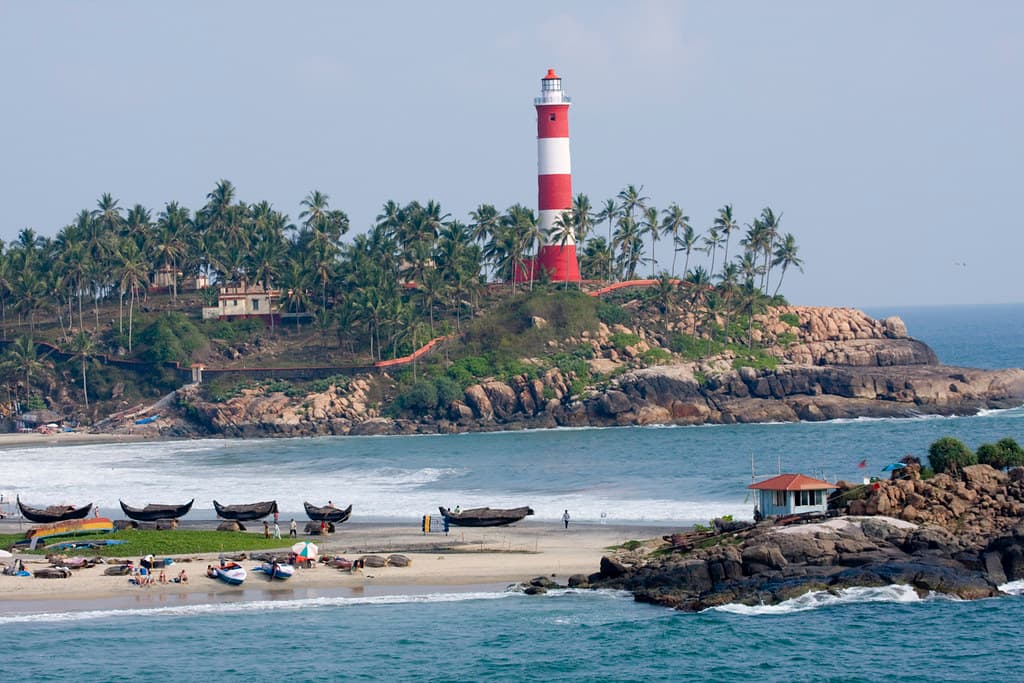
(556, 263)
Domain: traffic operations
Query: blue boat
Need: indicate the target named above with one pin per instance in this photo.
(231, 573)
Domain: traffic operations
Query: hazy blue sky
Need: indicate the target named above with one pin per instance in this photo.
(888, 134)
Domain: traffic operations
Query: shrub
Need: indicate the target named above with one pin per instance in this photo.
(420, 398)
(171, 337)
(1004, 453)
(621, 340)
(655, 356)
(791, 319)
(447, 391)
(612, 314)
(949, 454)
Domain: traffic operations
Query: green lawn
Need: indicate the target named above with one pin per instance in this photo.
(172, 542)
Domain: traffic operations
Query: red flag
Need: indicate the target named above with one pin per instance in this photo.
(862, 464)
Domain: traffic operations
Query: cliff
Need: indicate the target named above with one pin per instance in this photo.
(827, 363)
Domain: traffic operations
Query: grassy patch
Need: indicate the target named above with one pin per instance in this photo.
(172, 542)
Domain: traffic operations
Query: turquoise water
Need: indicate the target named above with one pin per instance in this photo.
(633, 476)
(865, 635)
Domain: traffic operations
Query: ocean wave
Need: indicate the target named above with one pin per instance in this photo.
(819, 599)
(186, 610)
(1013, 587)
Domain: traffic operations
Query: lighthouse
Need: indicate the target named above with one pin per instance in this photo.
(554, 181)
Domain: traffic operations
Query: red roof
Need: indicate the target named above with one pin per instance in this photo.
(791, 482)
(551, 75)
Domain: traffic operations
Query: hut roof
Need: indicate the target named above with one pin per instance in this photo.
(791, 482)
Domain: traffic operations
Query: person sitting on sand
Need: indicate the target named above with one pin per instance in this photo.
(182, 576)
(163, 576)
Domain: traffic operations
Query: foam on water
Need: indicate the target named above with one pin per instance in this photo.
(1013, 587)
(819, 599)
(254, 606)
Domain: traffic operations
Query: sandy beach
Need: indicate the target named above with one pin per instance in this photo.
(462, 560)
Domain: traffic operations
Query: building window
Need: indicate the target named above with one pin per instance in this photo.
(779, 499)
(551, 117)
(255, 304)
(808, 497)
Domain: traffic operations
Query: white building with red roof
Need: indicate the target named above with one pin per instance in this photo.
(789, 494)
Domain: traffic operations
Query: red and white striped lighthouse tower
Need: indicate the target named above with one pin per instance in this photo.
(554, 179)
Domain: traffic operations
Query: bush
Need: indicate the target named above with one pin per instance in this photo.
(612, 314)
(791, 319)
(949, 454)
(621, 340)
(420, 398)
(447, 391)
(171, 337)
(1005, 453)
(655, 356)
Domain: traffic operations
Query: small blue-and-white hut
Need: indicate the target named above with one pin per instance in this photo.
(789, 494)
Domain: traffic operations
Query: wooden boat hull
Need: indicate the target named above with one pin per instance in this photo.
(71, 527)
(54, 513)
(153, 512)
(327, 513)
(485, 516)
(245, 513)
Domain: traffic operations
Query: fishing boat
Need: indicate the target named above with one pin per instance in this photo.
(485, 516)
(154, 511)
(327, 513)
(276, 570)
(71, 527)
(231, 573)
(244, 513)
(53, 513)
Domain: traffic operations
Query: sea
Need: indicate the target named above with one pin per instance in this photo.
(650, 476)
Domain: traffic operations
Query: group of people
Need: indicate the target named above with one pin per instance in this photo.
(143, 576)
(293, 529)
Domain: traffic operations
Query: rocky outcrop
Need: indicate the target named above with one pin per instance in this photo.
(958, 535)
(829, 363)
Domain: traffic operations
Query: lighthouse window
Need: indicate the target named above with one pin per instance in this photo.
(551, 117)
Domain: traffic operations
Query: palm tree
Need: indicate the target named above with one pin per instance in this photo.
(697, 282)
(652, 226)
(711, 244)
(770, 223)
(609, 212)
(133, 272)
(596, 259)
(22, 356)
(582, 216)
(562, 232)
(85, 350)
(628, 240)
(632, 199)
(675, 222)
(786, 256)
(726, 225)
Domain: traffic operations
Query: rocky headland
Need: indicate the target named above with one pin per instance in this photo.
(959, 535)
(831, 363)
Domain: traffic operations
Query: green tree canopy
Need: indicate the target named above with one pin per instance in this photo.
(948, 454)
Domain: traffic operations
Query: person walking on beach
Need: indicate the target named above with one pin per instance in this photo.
(293, 529)
(565, 519)
(266, 530)
(277, 530)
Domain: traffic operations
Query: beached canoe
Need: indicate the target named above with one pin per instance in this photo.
(327, 513)
(71, 527)
(485, 516)
(276, 570)
(245, 513)
(52, 573)
(230, 573)
(53, 513)
(154, 511)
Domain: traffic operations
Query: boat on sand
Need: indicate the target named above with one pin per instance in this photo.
(247, 512)
(276, 570)
(327, 513)
(485, 516)
(154, 511)
(231, 573)
(53, 513)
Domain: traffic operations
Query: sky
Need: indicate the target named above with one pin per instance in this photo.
(889, 135)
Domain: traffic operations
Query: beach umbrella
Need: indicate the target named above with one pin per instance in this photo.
(306, 550)
(893, 466)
